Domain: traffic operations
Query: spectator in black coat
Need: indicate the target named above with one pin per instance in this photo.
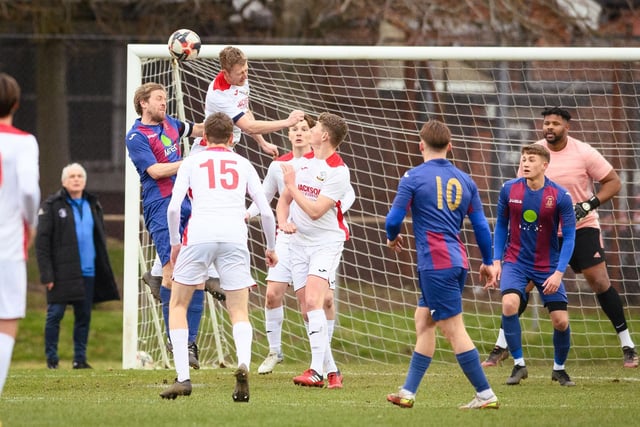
(73, 260)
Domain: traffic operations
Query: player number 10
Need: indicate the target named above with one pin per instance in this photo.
(452, 184)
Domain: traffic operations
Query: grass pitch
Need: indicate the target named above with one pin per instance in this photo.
(110, 396)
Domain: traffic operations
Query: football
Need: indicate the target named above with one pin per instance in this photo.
(144, 360)
(184, 45)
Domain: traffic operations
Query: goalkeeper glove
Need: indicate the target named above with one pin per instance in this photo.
(582, 209)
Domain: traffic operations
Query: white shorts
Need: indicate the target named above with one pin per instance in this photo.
(156, 269)
(231, 260)
(321, 261)
(282, 271)
(13, 289)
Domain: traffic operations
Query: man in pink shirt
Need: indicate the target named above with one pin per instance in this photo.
(576, 165)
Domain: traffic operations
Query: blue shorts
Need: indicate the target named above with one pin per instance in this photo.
(441, 291)
(515, 277)
(155, 219)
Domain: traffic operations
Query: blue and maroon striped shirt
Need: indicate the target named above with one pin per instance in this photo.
(151, 144)
(527, 224)
(439, 196)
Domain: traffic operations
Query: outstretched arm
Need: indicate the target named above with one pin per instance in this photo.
(251, 126)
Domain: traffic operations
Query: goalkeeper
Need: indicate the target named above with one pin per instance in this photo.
(575, 166)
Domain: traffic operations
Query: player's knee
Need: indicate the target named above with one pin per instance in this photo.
(559, 316)
(560, 324)
(328, 303)
(273, 300)
(510, 303)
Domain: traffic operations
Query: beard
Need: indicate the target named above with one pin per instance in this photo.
(552, 138)
(157, 117)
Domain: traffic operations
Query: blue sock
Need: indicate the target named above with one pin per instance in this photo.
(194, 314)
(561, 345)
(417, 368)
(513, 334)
(165, 296)
(469, 361)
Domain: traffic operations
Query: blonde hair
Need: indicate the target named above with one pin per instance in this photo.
(143, 93)
(231, 56)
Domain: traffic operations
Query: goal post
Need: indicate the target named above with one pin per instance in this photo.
(491, 98)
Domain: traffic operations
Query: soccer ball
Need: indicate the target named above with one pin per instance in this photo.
(144, 360)
(184, 45)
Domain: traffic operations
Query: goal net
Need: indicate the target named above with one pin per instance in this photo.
(491, 98)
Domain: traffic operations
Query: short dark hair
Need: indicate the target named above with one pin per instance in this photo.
(556, 111)
(435, 134)
(310, 120)
(336, 126)
(537, 150)
(9, 95)
(218, 127)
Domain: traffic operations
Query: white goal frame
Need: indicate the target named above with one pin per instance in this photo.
(137, 52)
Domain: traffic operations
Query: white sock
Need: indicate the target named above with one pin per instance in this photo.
(502, 340)
(242, 336)
(329, 362)
(486, 394)
(273, 318)
(317, 339)
(179, 340)
(625, 339)
(156, 268)
(557, 367)
(6, 350)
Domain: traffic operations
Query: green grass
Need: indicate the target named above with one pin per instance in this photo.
(105, 337)
(108, 396)
(606, 394)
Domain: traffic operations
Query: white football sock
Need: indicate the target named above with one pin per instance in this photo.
(273, 318)
(329, 362)
(6, 350)
(502, 340)
(625, 339)
(179, 340)
(156, 268)
(242, 336)
(317, 339)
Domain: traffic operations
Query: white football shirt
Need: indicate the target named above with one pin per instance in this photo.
(19, 190)
(229, 99)
(330, 178)
(218, 181)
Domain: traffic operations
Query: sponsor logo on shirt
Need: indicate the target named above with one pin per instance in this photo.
(309, 191)
(170, 150)
(549, 202)
(166, 141)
